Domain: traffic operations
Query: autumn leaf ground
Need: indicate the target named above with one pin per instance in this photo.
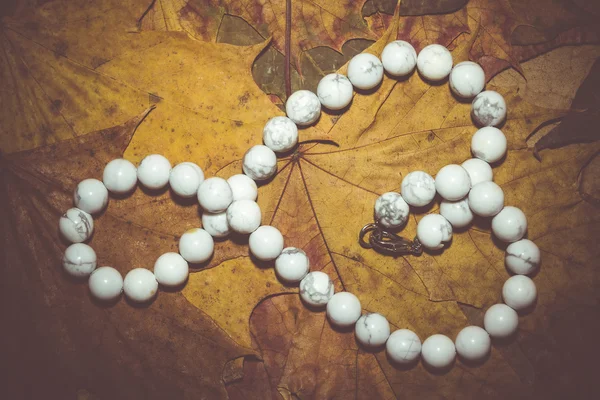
(77, 94)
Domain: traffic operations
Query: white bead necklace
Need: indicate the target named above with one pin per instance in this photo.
(230, 205)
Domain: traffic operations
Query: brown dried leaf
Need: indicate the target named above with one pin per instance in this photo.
(581, 124)
(315, 23)
(169, 347)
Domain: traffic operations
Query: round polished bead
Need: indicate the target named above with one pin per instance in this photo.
(120, 176)
(478, 170)
(486, 199)
(519, 292)
(467, 79)
(243, 187)
(76, 225)
(438, 351)
(365, 71)
(79, 260)
(214, 195)
(244, 216)
(154, 171)
(403, 346)
(335, 91)
(452, 182)
(216, 224)
(185, 179)
(280, 134)
(391, 210)
(500, 321)
(457, 212)
(266, 243)
(433, 231)
(488, 108)
(343, 309)
(434, 62)
(105, 283)
(316, 288)
(196, 245)
(418, 188)
(399, 58)
(260, 163)
(303, 107)
(140, 285)
(292, 265)
(372, 330)
(473, 343)
(522, 257)
(489, 144)
(90, 196)
(510, 224)
(170, 269)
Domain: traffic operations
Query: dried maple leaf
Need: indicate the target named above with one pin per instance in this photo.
(170, 347)
(581, 124)
(209, 111)
(405, 126)
(51, 90)
(315, 23)
(495, 48)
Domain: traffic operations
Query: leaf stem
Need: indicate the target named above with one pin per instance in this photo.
(288, 40)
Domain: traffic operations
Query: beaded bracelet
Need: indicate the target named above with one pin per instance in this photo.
(230, 205)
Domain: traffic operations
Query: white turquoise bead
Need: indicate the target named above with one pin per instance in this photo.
(457, 212)
(90, 196)
(403, 346)
(500, 321)
(76, 225)
(434, 62)
(478, 170)
(154, 171)
(119, 176)
(292, 265)
(418, 188)
(260, 163)
(489, 144)
(244, 216)
(335, 91)
(243, 187)
(391, 211)
(510, 224)
(170, 269)
(519, 292)
(106, 284)
(303, 107)
(486, 199)
(280, 134)
(185, 179)
(316, 289)
(196, 245)
(399, 58)
(214, 195)
(452, 182)
(140, 285)
(433, 231)
(473, 343)
(216, 224)
(467, 79)
(372, 330)
(438, 351)
(79, 260)
(266, 243)
(522, 257)
(488, 108)
(343, 309)
(365, 71)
